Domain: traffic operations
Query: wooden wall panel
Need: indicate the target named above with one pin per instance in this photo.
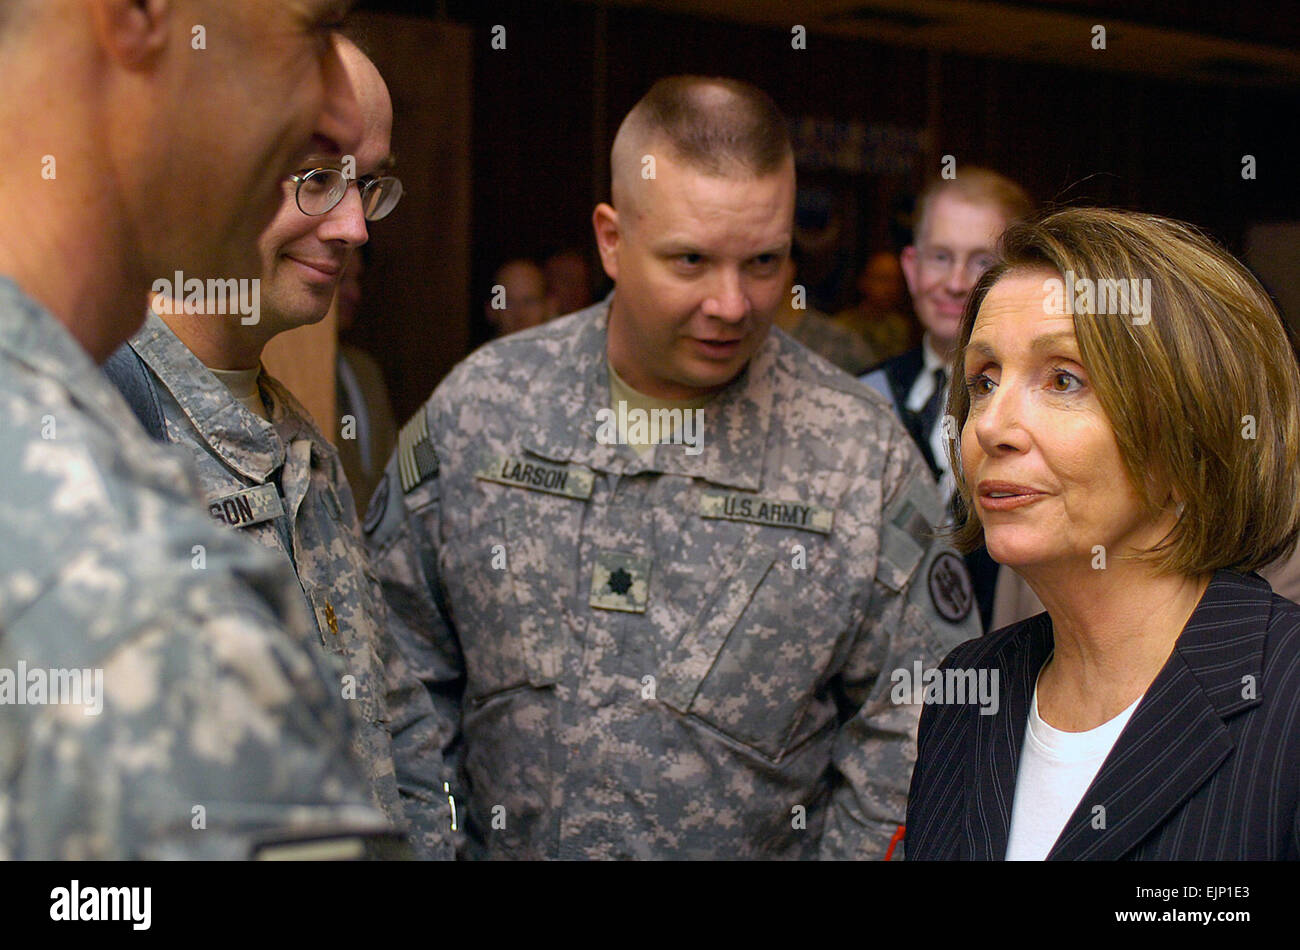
(303, 360)
(414, 313)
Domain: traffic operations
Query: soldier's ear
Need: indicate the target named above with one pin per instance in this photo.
(132, 32)
(604, 220)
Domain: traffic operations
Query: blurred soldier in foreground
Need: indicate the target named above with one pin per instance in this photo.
(185, 714)
(267, 470)
(656, 563)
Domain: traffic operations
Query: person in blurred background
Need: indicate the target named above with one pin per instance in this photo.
(821, 216)
(367, 429)
(815, 330)
(1128, 412)
(880, 316)
(568, 281)
(958, 222)
(518, 298)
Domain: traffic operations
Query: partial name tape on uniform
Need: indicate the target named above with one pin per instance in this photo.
(416, 458)
(773, 512)
(571, 481)
(248, 507)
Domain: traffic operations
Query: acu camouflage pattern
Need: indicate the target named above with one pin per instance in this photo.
(207, 700)
(846, 350)
(281, 484)
(749, 696)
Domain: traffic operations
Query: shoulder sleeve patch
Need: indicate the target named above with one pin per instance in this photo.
(907, 531)
(951, 591)
(416, 459)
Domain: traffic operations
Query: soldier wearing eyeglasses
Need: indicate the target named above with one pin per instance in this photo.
(193, 374)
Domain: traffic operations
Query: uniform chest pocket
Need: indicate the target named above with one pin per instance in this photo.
(750, 665)
(497, 581)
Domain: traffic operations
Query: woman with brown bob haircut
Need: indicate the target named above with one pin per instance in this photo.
(1127, 419)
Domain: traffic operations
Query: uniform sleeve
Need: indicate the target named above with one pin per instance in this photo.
(922, 605)
(203, 731)
(402, 531)
(412, 724)
(417, 730)
(195, 717)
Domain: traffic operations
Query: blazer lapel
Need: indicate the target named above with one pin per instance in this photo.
(1176, 738)
(1169, 748)
(998, 739)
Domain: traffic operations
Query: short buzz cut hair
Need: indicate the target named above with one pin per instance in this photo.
(1203, 400)
(975, 185)
(716, 125)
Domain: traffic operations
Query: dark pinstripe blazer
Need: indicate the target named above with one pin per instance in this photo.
(1208, 767)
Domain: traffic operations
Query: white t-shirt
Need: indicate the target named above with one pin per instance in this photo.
(1056, 768)
(242, 384)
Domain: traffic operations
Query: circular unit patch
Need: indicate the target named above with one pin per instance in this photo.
(950, 587)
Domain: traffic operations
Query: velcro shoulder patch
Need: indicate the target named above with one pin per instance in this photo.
(416, 459)
(907, 531)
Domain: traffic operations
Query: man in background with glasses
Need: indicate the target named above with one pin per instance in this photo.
(956, 226)
(193, 375)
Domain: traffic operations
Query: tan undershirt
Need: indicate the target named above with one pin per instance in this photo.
(242, 384)
(619, 390)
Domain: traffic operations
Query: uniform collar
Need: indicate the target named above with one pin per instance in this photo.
(577, 385)
(290, 418)
(245, 442)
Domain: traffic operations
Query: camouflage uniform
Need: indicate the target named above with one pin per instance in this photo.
(846, 350)
(679, 655)
(281, 483)
(218, 730)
